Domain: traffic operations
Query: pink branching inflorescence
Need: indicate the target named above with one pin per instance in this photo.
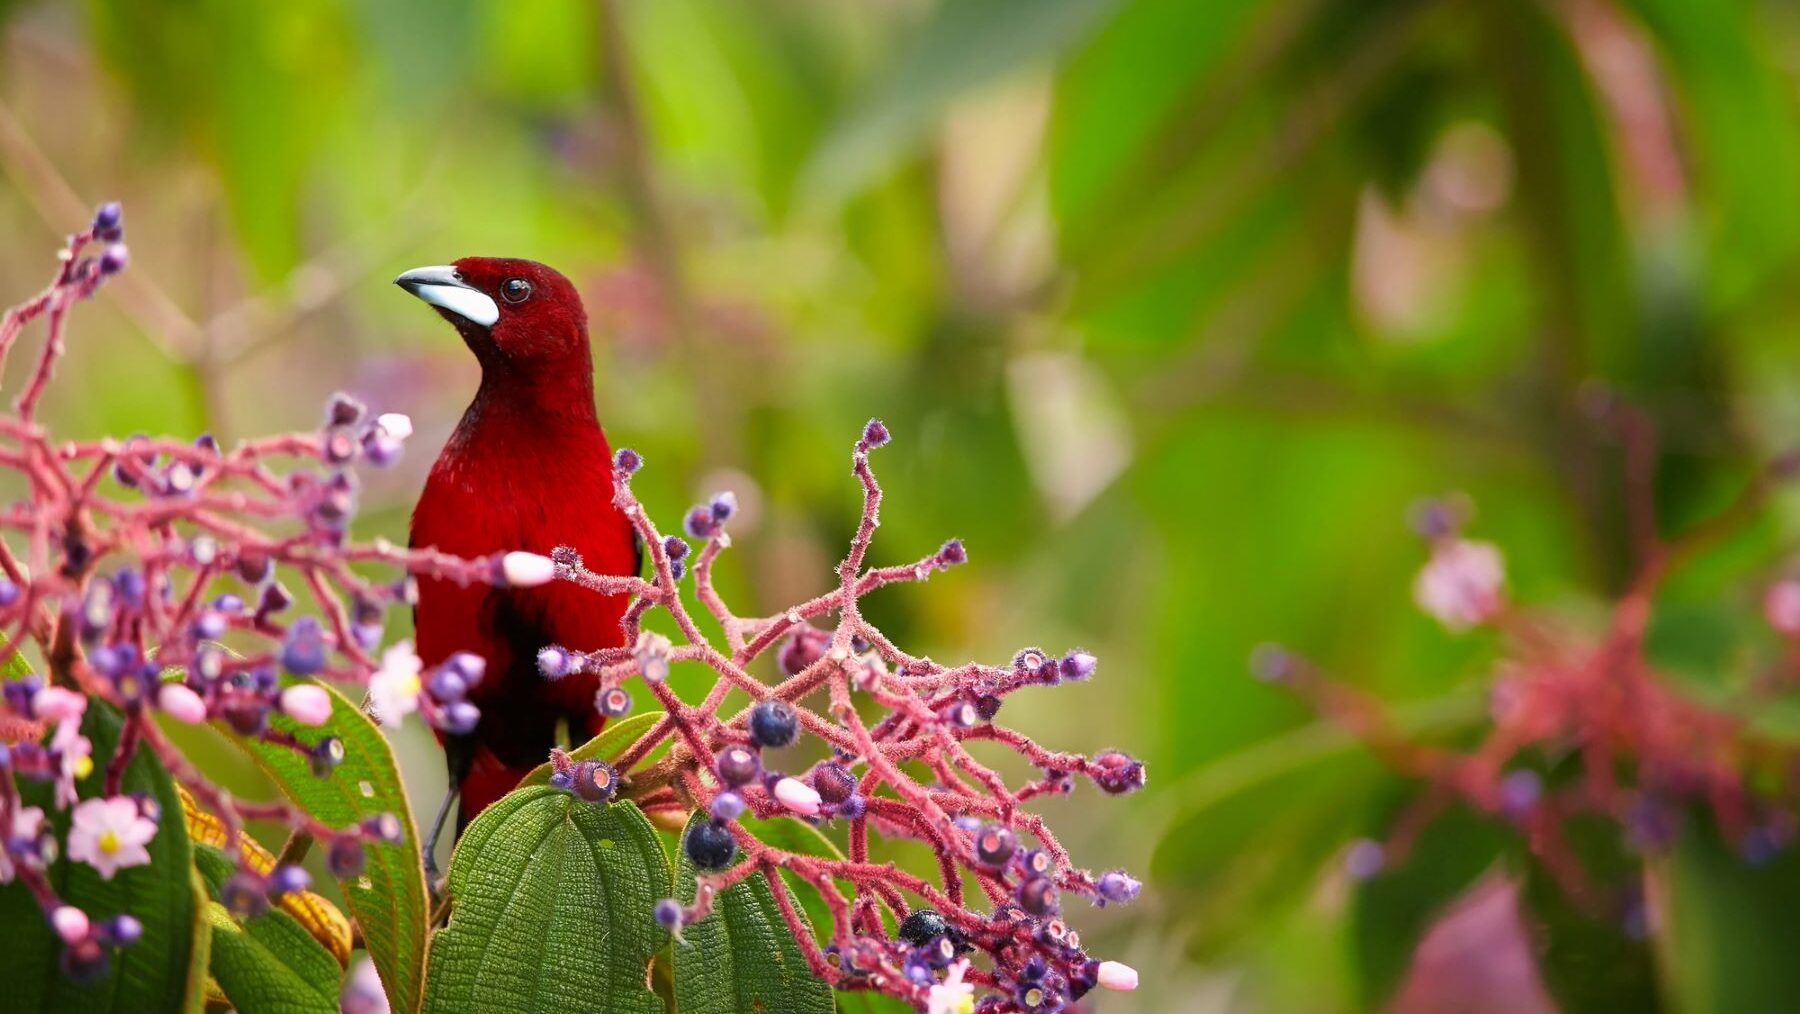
(135, 563)
(128, 597)
(973, 822)
(1580, 721)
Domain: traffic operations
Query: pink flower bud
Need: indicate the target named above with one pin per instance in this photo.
(71, 923)
(57, 704)
(1460, 586)
(1118, 975)
(307, 704)
(797, 796)
(181, 703)
(527, 570)
(1781, 606)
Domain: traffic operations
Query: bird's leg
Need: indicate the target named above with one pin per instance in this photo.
(459, 756)
(429, 850)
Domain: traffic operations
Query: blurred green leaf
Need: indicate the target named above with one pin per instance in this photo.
(1592, 960)
(1392, 910)
(961, 46)
(1724, 924)
(552, 902)
(150, 975)
(388, 898)
(742, 957)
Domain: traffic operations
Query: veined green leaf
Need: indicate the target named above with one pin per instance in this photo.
(552, 909)
(742, 957)
(271, 963)
(1724, 934)
(388, 898)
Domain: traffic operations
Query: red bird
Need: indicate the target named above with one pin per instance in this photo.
(528, 468)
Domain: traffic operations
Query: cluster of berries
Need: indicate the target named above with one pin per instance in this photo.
(717, 769)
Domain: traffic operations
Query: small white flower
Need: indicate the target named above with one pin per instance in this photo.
(394, 689)
(28, 823)
(76, 760)
(1460, 585)
(395, 424)
(953, 995)
(110, 834)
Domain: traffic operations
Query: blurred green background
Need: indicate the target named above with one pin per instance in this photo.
(1173, 307)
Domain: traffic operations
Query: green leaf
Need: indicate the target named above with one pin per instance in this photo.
(200, 958)
(271, 963)
(388, 899)
(609, 744)
(1392, 910)
(743, 957)
(962, 46)
(1588, 961)
(152, 974)
(1724, 935)
(552, 909)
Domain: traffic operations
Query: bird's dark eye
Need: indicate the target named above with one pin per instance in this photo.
(515, 290)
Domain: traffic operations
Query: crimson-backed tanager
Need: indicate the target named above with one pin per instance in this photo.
(528, 468)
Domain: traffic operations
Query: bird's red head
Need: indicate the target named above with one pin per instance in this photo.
(509, 311)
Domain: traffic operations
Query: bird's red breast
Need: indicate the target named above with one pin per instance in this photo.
(527, 468)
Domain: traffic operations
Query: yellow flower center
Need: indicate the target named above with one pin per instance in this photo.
(109, 842)
(84, 766)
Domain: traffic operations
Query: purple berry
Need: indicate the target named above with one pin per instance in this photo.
(553, 661)
(922, 925)
(460, 718)
(84, 961)
(244, 894)
(1117, 886)
(1078, 665)
(114, 259)
(345, 858)
(325, 756)
(446, 685)
(289, 879)
(833, 782)
(303, 649)
(122, 930)
(727, 806)
(1037, 896)
(1117, 773)
(952, 553)
(613, 702)
(667, 914)
(995, 845)
(874, 434)
(737, 766)
(627, 460)
(723, 506)
(594, 781)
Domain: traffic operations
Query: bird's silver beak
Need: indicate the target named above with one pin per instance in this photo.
(442, 287)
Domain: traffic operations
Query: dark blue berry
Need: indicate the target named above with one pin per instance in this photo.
(325, 756)
(921, 925)
(84, 961)
(773, 723)
(1037, 895)
(244, 894)
(303, 649)
(709, 845)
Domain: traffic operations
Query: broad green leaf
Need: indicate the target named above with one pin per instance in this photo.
(1725, 930)
(271, 963)
(552, 909)
(152, 974)
(612, 739)
(743, 957)
(388, 898)
(798, 836)
(1392, 910)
